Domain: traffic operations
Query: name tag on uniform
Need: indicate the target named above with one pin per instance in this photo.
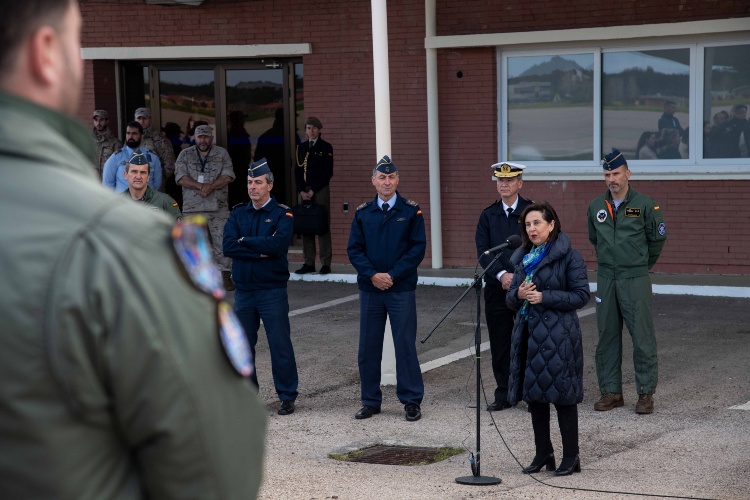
(632, 212)
(201, 178)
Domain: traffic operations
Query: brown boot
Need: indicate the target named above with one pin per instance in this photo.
(645, 404)
(609, 401)
(228, 283)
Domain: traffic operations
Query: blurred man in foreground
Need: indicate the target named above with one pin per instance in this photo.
(99, 398)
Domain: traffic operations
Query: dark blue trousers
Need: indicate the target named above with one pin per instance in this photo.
(272, 306)
(401, 307)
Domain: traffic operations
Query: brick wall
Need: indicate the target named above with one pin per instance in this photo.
(481, 16)
(339, 90)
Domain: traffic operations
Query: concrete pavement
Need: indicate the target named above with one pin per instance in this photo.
(694, 445)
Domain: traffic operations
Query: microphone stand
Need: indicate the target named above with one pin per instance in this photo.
(476, 478)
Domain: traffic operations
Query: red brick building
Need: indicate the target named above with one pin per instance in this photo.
(550, 84)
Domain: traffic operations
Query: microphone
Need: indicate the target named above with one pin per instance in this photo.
(513, 242)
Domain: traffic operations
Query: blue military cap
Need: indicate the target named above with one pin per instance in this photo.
(139, 158)
(613, 160)
(386, 166)
(258, 168)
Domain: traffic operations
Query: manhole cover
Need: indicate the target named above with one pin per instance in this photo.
(397, 455)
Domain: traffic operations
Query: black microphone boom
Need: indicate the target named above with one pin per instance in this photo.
(513, 242)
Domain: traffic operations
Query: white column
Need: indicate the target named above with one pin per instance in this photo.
(383, 144)
(433, 141)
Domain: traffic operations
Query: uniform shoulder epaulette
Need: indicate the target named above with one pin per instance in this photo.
(238, 205)
(411, 202)
(363, 205)
(117, 152)
(283, 206)
(490, 206)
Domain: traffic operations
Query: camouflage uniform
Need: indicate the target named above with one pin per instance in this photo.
(163, 149)
(106, 144)
(215, 206)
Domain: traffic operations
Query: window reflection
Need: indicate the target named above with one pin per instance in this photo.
(550, 107)
(645, 103)
(726, 132)
(186, 99)
(255, 115)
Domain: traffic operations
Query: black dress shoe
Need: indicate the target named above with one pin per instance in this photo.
(287, 407)
(413, 413)
(568, 466)
(498, 406)
(539, 462)
(325, 270)
(305, 269)
(366, 411)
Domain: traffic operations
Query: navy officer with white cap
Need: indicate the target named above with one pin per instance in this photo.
(257, 236)
(497, 223)
(628, 232)
(386, 245)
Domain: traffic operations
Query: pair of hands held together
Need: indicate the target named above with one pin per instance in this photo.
(382, 281)
(528, 291)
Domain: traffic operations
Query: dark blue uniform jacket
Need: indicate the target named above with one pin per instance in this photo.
(260, 261)
(394, 243)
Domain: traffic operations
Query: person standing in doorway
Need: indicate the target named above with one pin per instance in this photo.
(313, 176)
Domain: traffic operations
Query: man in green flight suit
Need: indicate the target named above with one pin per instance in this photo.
(137, 173)
(115, 379)
(628, 232)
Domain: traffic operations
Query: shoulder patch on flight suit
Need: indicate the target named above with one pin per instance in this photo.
(662, 228)
(190, 240)
(632, 212)
(234, 341)
(601, 215)
(363, 205)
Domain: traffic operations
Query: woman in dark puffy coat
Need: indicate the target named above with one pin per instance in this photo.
(546, 355)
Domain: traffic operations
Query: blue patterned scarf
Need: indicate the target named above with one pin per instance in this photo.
(530, 263)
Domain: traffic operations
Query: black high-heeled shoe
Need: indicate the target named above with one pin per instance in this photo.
(539, 462)
(568, 466)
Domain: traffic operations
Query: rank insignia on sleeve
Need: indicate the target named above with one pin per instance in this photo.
(234, 341)
(190, 240)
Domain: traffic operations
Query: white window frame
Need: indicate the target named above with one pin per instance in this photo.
(696, 167)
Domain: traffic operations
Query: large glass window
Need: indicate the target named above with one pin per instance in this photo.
(187, 97)
(726, 95)
(550, 107)
(565, 109)
(646, 103)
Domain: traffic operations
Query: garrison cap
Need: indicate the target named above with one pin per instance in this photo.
(506, 170)
(386, 166)
(204, 130)
(144, 112)
(311, 120)
(258, 168)
(139, 158)
(101, 114)
(613, 160)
